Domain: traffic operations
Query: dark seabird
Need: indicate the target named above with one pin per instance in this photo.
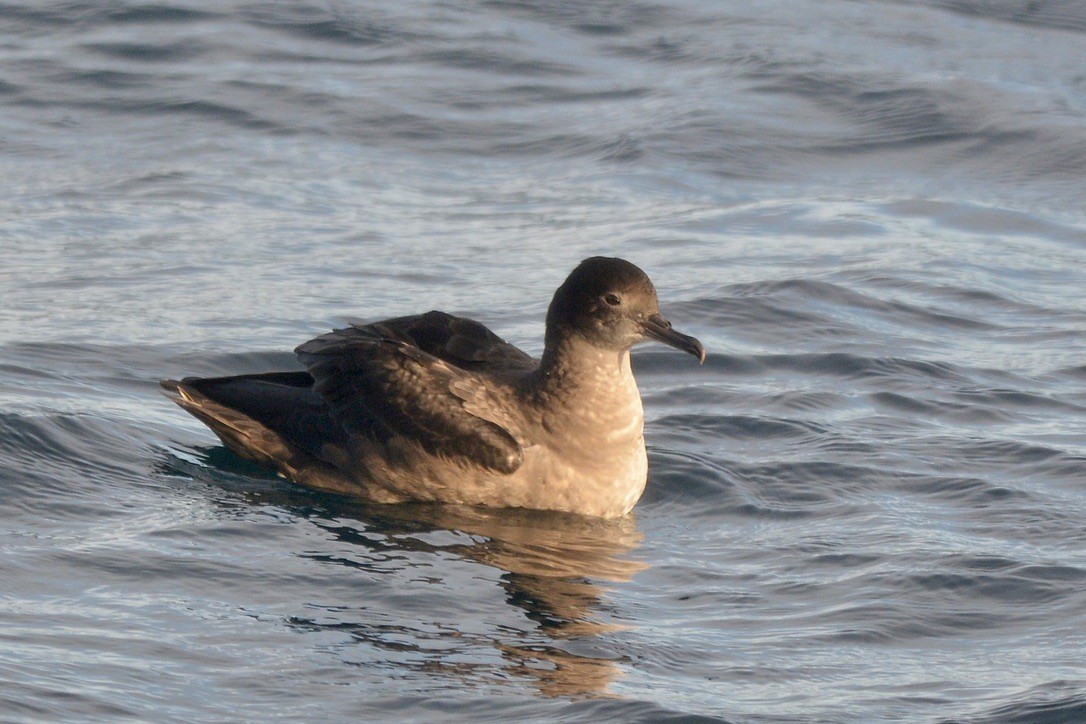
(438, 408)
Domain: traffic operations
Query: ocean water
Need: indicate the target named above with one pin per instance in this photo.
(868, 505)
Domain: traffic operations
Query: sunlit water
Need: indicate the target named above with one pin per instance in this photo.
(869, 503)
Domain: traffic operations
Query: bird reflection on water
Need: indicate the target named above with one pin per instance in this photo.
(553, 567)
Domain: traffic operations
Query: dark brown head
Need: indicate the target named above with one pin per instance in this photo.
(612, 304)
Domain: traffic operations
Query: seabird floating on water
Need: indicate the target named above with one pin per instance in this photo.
(434, 407)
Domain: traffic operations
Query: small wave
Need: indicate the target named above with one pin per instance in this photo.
(1020, 399)
(493, 60)
(834, 364)
(179, 51)
(630, 710)
(1055, 702)
(1004, 452)
(112, 80)
(1077, 372)
(874, 624)
(61, 462)
(853, 366)
(962, 413)
(679, 477)
(1014, 585)
(970, 491)
(333, 25)
(212, 110)
(959, 130)
(594, 19)
(984, 220)
(92, 14)
(741, 426)
(1057, 14)
(837, 299)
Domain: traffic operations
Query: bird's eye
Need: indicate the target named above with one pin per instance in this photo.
(613, 300)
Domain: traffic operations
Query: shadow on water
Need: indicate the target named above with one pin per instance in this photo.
(554, 569)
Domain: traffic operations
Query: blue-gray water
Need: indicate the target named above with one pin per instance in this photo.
(869, 504)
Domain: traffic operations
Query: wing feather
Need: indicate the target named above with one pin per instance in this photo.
(457, 340)
(380, 382)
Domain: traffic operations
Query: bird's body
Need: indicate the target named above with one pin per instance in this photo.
(438, 408)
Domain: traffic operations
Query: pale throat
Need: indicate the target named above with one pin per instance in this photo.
(595, 391)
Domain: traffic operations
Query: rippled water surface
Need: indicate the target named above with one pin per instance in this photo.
(869, 504)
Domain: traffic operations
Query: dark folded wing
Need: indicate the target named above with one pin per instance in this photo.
(458, 340)
(380, 381)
